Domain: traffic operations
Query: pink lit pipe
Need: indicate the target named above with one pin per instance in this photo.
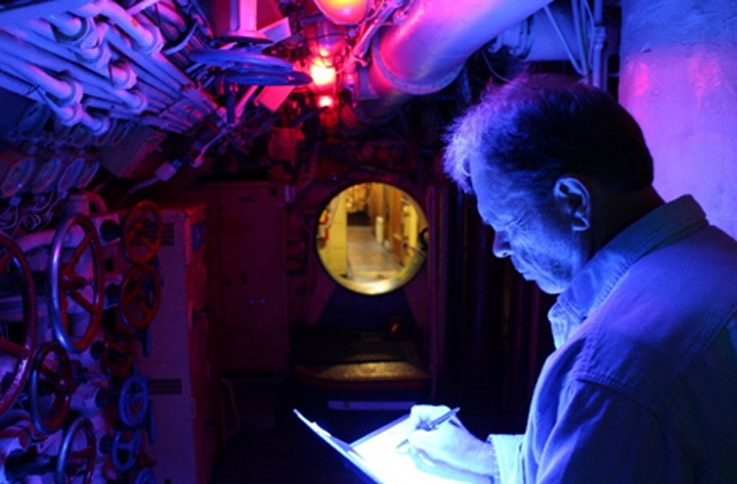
(427, 50)
(136, 102)
(432, 44)
(146, 37)
(65, 92)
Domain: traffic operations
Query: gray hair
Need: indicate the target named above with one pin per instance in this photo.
(540, 126)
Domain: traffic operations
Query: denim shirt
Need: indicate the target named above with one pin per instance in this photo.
(643, 384)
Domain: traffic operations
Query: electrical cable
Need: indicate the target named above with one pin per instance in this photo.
(577, 8)
(563, 40)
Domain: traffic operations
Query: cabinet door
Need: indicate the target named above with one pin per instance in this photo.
(253, 276)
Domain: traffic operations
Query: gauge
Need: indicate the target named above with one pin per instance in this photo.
(69, 179)
(88, 173)
(17, 177)
(46, 175)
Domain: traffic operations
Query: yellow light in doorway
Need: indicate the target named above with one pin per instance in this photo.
(372, 238)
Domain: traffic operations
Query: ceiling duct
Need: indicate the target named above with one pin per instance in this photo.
(427, 51)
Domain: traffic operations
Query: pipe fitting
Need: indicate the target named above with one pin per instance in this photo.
(134, 100)
(157, 42)
(69, 115)
(98, 57)
(98, 125)
(92, 9)
(379, 72)
(71, 29)
(122, 75)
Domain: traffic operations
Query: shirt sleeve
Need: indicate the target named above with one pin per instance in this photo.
(601, 436)
(507, 455)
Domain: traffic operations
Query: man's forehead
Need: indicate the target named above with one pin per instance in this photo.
(498, 203)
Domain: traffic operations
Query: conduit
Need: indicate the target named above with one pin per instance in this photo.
(134, 101)
(427, 51)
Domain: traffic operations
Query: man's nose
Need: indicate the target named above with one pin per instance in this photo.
(501, 247)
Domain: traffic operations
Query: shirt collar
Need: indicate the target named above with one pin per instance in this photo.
(600, 275)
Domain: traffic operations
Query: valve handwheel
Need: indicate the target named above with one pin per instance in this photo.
(145, 476)
(140, 296)
(133, 400)
(118, 354)
(143, 230)
(52, 386)
(125, 449)
(77, 453)
(17, 340)
(67, 285)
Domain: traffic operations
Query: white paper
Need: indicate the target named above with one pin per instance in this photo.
(378, 456)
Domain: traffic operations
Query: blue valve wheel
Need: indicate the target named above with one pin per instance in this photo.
(133, 400)
(17, 340)
(239, 59)
(125, 449)
(151, 424)
(293, 78)
(67, 285)
(145, 476)
(77, 453)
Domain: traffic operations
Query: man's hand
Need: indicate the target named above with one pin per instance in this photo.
(450, 442)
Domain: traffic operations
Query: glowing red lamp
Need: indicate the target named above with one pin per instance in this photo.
(323, 75)
(325, 101)
(346, 12)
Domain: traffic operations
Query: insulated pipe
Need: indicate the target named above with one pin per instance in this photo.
(136, 102)
(146, 36)
(41, 35)
(158, 64)
(88, 43)
(65, 92)
(171, 16)
(427, 51)
(69, 115)
(70, 26)
(98, 125)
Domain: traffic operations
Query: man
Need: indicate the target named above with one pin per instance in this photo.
(643, 384)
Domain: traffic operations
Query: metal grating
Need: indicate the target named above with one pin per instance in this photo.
(168, 235)
(165, 386)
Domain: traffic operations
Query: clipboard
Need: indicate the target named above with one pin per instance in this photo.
(377, 456)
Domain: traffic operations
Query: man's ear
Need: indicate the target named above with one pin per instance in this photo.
(574, 198)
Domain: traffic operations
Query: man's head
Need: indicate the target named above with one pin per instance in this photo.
(551, 161)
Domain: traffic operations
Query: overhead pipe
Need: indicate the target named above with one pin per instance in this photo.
(88, 43)
(428, 49)
(135, 101)
(120, 74)
(158, 64)
(64, 92)
(145, 35)
(69, 115)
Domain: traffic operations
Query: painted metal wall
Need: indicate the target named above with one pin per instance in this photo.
(679, 80)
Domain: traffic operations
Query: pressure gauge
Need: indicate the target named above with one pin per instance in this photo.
(70, 177)
(17, 177)
(46, 175)
(88, 173)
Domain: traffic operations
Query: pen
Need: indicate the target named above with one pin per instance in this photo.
(433, 424)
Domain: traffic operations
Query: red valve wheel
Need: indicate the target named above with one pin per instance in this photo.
(67, 284)
(143, 230)
(77, 453)
(17, 340)
(118, 355)
(52, 386)
(140, 297)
